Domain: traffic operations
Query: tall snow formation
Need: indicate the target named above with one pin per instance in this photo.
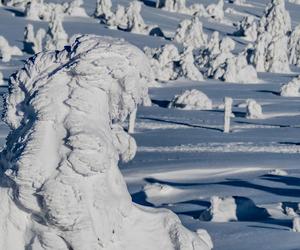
(190, 33)
(61, 187)
(56, 37)
(191, 100)
(294, 46)
(254, 110)
(271, 48)
(247, 28)
(33, 43)
(227, 113)
(174, 5)
(291, 89)
(7, 51)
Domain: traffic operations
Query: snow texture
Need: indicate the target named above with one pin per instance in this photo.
(7, 51)
(191, 100)
(61, 186)
(247, 28)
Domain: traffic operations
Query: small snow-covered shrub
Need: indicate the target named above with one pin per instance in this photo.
(278, 172)
(291, 89)
(191, 100)
(254, 110)
(64, 148)
(296, 224)
(33, 43)
(216, 11)
(7, 51)
(190, 33)
(247, 28)
(270, 52)
(294, 46)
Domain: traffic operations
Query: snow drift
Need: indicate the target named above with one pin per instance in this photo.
(61, 188)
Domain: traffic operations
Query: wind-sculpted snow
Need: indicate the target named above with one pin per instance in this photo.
(7, 51)
(61, 188)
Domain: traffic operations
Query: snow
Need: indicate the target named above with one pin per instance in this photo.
(191, 100)
(181, 156)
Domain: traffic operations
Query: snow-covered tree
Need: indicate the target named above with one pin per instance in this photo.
(60, 164)
(188, 67)
(216, 11)
(1, 78)
(74, 8)
(7, 51)
(164, 62)
(103, 9)
(294, 46)
(271, 48)
(227, 113)
(247, 28)
(56, 37)
(190, 33)
(33, 43)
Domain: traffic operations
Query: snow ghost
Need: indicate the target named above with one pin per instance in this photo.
(33, 43)
(62, 182)
(7, 51)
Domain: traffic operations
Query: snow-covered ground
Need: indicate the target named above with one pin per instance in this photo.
(184, 161)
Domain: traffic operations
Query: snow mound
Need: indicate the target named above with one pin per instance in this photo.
(278, 172)
(291, 89)
(191, 100)
(7, 51)
(226, 209)
(59, 168)
(254, 110)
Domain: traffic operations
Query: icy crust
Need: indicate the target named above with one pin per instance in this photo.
(191, 100)
(61, 188)
(291, 89)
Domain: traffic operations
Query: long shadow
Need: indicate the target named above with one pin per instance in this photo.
(141, 198)
(149, 3)
(288, 180)
(161, 103)
(264, 124)
(180, 123)
(16, 12)
(268, 91)
(289, 192)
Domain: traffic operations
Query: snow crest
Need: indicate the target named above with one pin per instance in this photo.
(60, 185)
